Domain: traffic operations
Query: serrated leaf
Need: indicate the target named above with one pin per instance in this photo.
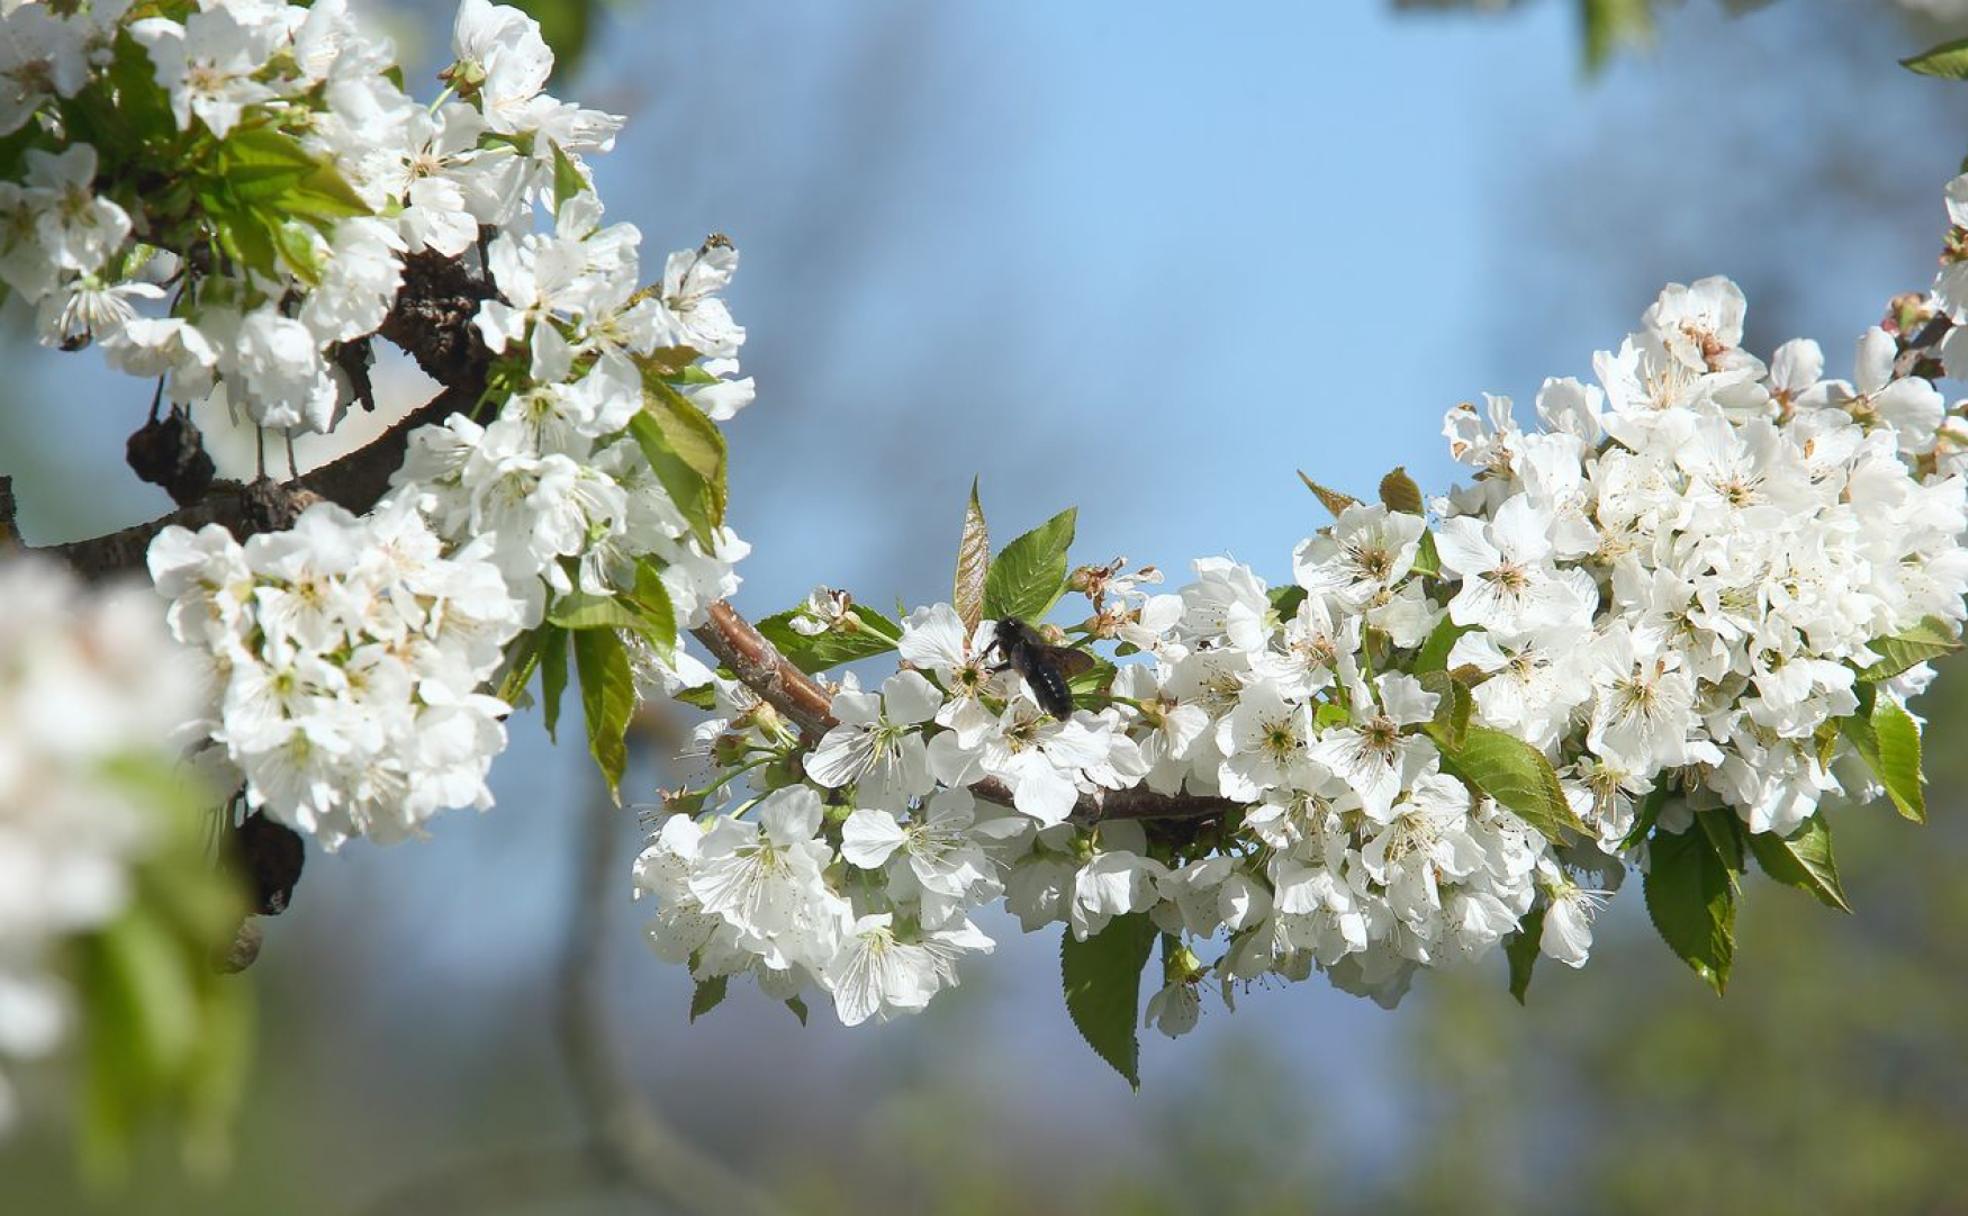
(553, 678)
(1898, 738)
(1102, 981)
(708, 995)
(1888, 740)
(1691, 898)
(607, 698)
(1930, 639)
(1725, 835)
(875, 634)
(1515, 774)
(1028, 576)
(687, 453)
(1521, 948)
(1949, 61)
(1333, 500)
(973, 563)
(1400, 493)
(1803, 860)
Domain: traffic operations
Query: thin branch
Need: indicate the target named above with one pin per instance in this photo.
(431, 319)
(356, 481)
(9, 533)
(633, 1146)
(758, 665)
(513, 1177)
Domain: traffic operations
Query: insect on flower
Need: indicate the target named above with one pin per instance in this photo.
(1045, 668)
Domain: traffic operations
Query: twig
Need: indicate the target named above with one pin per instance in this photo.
(779, 683)
(431, 319)
(9, 533)
(489, 1182)
(631, 1144)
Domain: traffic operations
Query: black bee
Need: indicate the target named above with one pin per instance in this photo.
(1046, 669)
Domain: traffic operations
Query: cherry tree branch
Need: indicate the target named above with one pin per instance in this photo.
(432, 321)
(759, 666)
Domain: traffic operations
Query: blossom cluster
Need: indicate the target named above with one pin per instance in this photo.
(352, 656)
(91, 693)
(1669, 595)
(346, 656)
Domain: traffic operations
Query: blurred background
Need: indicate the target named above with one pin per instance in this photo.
(1149, 259)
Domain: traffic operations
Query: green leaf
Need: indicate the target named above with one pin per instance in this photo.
(1333, 500)
(163, 1032)
(652, 600)
(553, 678)
(260, 164)
(1514, 773)
(1096, 677)
(1452, 709)
(1930, 639)
(1285, 600)
(973, 563)
(687, 452)
(1434, 652)
(708, 995)
(567, 179)
(523, 657)
(798, 1006)
(1888, 740)
(704, 696)
(295, 241)
(873, 634)
(1949, 61)
(1102, 978)
(1331, 713)
(1649, 814)
(1802, 860)
(1612, 24)
(1029, 575)
(1400, 493)
(581, 611)
(141, 1014)
(1691, 898)
(1899, 757)
(323, 196)
(1725, 835)
(608, 698)
(1521, 948)
(244, 235)
(1427, 560)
